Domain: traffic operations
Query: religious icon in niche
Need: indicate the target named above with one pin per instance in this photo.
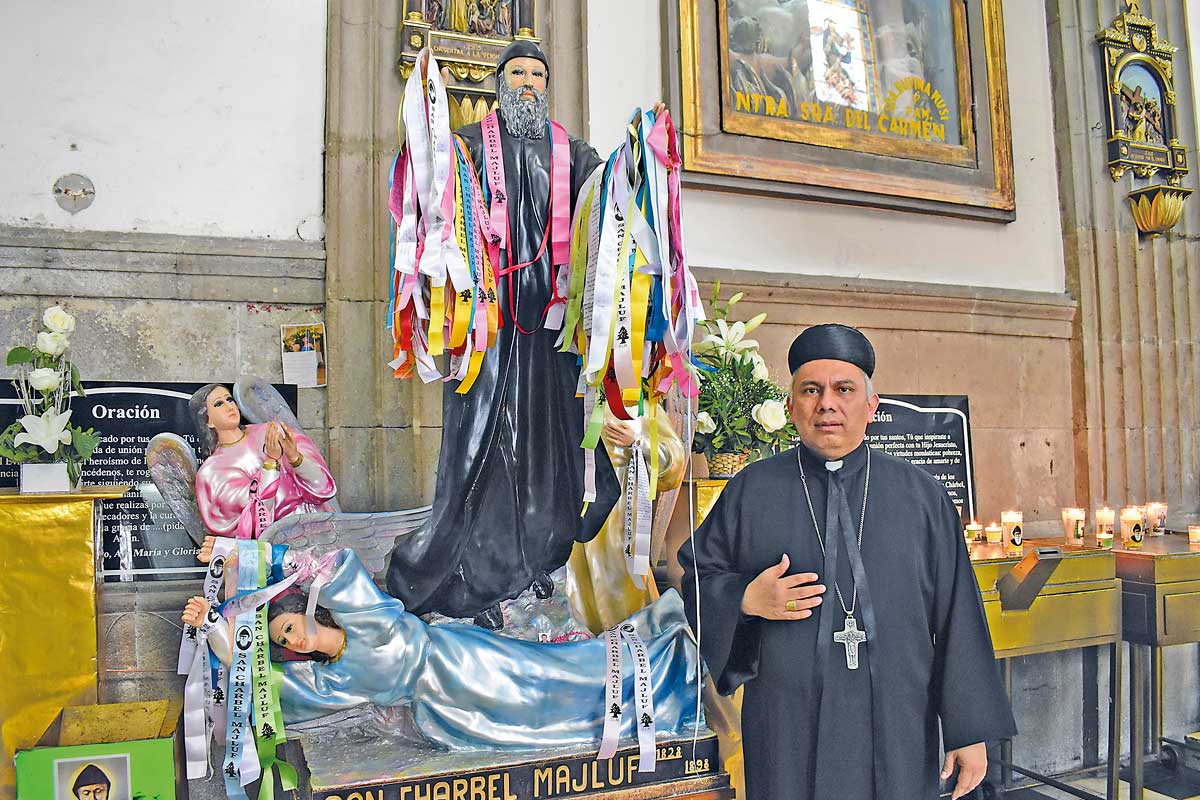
(1142, 127)
(887, 76)
(477, 17)
(466, 37)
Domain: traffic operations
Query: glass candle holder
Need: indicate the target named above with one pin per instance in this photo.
(1133, 526)
(994, 533)
(1106, 520)
(1013, 525)
(1194, 534)
(1156, 518)
(973, 532)
(1073, 525)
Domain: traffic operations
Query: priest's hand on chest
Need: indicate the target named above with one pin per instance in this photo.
(776, 595)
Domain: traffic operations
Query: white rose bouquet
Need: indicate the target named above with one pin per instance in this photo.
(45, 382)
(741, 410)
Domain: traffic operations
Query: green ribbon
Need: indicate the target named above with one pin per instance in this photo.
(269, 732)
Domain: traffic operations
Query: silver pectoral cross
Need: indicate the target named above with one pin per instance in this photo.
(850, 637)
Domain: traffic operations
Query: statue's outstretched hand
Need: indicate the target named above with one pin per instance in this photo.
(195, 611)
(206, 549)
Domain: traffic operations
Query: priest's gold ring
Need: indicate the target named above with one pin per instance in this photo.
(790, 605)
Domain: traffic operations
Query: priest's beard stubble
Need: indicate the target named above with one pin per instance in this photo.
(523, 118)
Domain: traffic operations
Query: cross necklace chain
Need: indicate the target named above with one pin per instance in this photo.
(850, 637)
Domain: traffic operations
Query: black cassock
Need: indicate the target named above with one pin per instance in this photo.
(510, 471)
(834, 733)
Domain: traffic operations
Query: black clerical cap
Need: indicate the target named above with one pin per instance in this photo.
(91, 775)
(837, 342)
(522, 48)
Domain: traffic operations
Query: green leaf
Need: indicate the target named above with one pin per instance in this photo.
(23, 454)
(84, 442)
(75, 384)
(19, 355)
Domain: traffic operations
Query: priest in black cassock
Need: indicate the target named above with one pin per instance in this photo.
(860, 630)
(506, 509)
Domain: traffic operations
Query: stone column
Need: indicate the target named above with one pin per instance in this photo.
(1137, 339)
(382, 432)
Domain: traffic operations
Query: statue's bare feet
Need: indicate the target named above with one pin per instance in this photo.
(543, 586)
(490, 618)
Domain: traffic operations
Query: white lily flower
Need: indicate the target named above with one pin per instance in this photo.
(47, 431)
(705, 423)
(734, 338)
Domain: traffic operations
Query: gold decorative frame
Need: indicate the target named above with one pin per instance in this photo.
(1132, 41)
(470, 59)
(974, 179)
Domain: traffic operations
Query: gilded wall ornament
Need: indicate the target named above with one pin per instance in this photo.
(1143, 132)
(466, 37)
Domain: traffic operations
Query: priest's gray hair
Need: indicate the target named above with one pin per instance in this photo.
(524, 119)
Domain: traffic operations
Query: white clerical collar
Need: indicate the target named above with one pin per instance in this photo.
(833, 466)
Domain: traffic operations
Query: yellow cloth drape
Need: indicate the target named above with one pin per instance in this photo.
(48, 643)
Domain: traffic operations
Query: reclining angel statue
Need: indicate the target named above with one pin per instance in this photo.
(467, 687)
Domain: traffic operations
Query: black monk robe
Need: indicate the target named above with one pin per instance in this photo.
(510, 471)
(835, 733)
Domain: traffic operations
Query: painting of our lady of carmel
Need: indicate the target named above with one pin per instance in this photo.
(873, 67)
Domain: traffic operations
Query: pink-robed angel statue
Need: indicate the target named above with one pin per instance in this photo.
(253, 474)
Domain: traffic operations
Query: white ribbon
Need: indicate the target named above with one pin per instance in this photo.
(612, 697)
(643, 694)
(637, 517)
(644, 697)
(597, 312)
(198, 700)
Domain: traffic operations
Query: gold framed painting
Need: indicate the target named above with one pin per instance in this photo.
(893, 103)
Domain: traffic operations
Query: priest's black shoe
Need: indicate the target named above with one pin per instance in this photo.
(490, 618)
(543, 586)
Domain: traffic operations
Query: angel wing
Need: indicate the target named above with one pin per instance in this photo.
(372, 536)
(259, 402)
(173, 465)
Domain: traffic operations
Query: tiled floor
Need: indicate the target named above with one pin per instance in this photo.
(1096, 786)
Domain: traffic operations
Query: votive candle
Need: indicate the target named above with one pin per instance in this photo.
(973, 532)
(1105, 521)
(1194, 534)
(1073, 519)
(1012, 524)
(994, 533)
(1156, 518)
(1133, 525)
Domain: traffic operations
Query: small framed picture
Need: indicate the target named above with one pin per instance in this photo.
(99, 777)
(303, 348)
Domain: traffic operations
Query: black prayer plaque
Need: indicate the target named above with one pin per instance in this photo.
(932, 432)
(138, 545)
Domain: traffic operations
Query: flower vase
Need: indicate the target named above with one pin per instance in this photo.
(45, 478)
(726, 465)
